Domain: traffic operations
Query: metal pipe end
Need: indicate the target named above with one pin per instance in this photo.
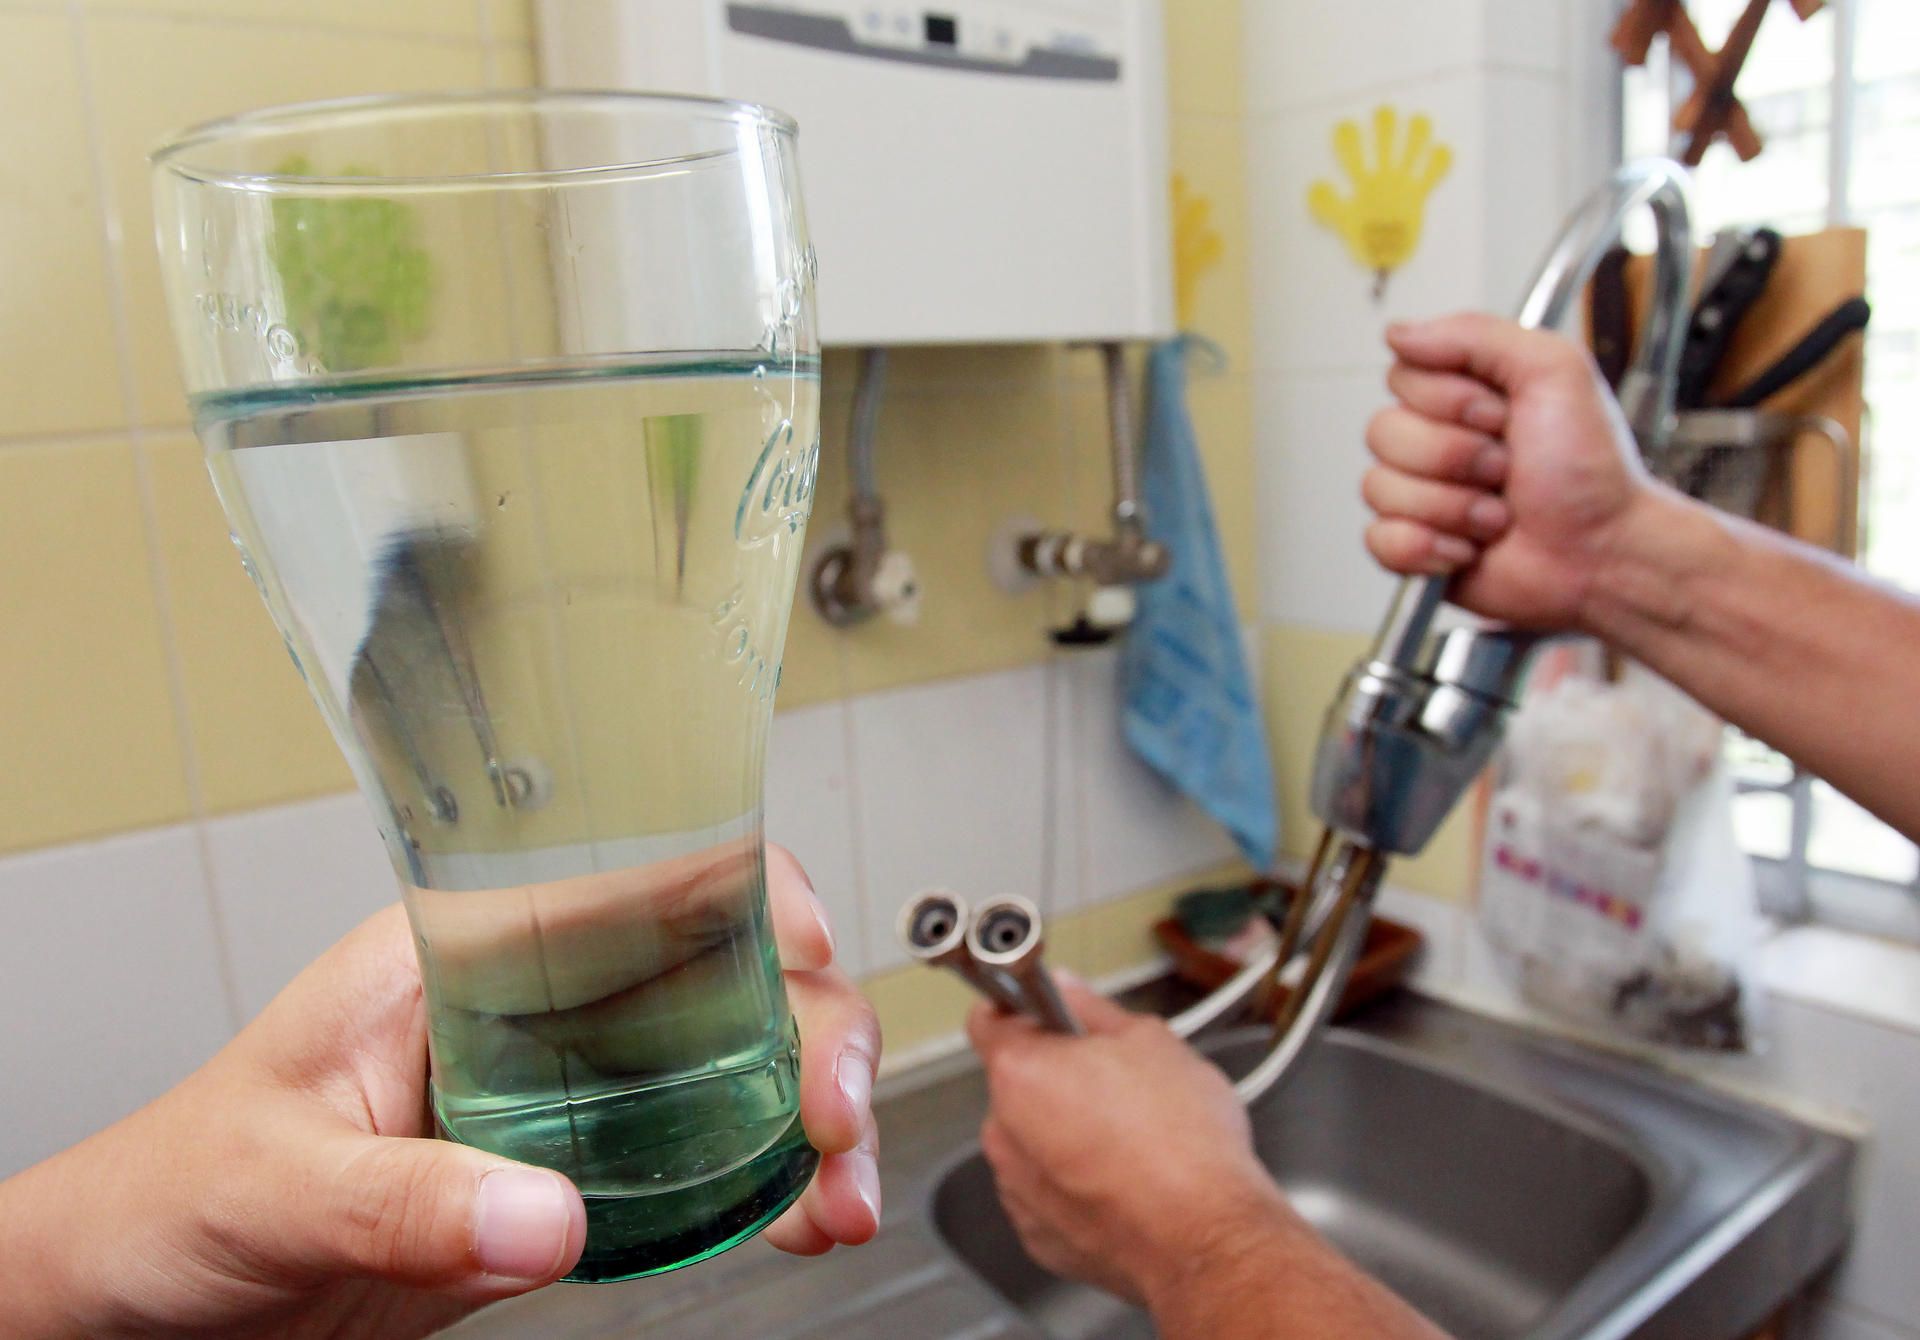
(1005, 931)
(933, 925)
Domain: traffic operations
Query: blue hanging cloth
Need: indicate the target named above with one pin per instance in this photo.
(1187, 705)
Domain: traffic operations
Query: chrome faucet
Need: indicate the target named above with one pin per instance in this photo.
(1419, 717)
(1414, 722)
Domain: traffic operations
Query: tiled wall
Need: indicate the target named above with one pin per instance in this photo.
(176, 834)
(1492, 76)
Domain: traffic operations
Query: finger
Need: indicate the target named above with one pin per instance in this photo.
(1098, 1014)
(1449, 396)
(799, 922)
(795, 1233)
(432, 1214)
(1420, 445)
(1453, 508)
(1414, 549)
(839, 1053)
(840, 1206)
(991, 1029)
(1495, 351)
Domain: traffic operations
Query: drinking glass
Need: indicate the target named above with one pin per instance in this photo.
(512, 403)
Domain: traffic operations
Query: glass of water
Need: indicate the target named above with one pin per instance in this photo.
(512, 403)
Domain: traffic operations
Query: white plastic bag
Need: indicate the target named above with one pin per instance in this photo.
(1611, 882)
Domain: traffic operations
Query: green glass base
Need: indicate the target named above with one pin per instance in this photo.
(631, 1236)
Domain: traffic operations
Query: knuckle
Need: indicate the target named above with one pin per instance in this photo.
(1371, 484)
(1380, 429)
(391, 1211)
(1458, 450)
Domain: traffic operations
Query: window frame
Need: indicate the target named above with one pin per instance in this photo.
(1792, 888)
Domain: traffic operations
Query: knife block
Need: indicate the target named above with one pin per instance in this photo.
(1815, 273)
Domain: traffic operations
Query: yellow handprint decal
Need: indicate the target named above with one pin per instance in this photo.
(1196, 246)
(1381, 219)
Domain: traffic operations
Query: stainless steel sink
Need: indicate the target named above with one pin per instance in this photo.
(1504, 1184)
(1507, 1184)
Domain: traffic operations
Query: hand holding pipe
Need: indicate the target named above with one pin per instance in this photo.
(933, 929)
(997, 952)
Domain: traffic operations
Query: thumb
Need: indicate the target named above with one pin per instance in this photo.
(1500, 353)
(437, 1215)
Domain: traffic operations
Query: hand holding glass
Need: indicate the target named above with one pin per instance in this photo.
(512, 403)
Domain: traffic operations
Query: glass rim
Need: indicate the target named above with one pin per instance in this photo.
(172, 153)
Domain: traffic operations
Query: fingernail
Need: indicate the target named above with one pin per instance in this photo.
(866, 1182)
(1487, 516)
(1452, 550)
(1490, 466)
(520, 1223)
(1485, 413)
(820, 919)
(1397, 328)
(855, 1078)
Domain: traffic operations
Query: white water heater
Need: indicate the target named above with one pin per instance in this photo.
(974, 171)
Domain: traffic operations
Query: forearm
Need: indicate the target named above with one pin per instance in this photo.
(1274, 1278)
(40, 1279)
(1792, 645)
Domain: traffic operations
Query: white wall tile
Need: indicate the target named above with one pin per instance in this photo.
(1527, 193)
(1314, 306)
(1135, 830)
(810, 811)
(950, 781)
(1525, 34)
(110, 985)
(1302, 53)
(1065, 834)
(291, 880)
(1311, 444)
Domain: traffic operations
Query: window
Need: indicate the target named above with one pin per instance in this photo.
(1837, 99)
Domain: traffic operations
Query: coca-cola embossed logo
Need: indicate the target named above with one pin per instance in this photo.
(779, 492)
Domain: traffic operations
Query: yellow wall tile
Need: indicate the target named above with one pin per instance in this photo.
(1304, 668)
(58, 369)
(1221, 407)
(514, 65)
(510, 20)
(152, 76)
(955, 365)
(1211, 156)
(257, 737)
(434, 18)
(953, 465)
(1117, 935)
(88, 730)
(1203, 56)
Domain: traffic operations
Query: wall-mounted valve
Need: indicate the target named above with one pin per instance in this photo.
(1114, 564)
(854, 581)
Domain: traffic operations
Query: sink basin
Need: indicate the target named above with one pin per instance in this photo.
(1507, 1184)
(1504, 1184)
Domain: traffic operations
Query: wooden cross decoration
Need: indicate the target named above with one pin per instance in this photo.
(1712, 110)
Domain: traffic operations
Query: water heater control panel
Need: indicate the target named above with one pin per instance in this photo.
(974, 170)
